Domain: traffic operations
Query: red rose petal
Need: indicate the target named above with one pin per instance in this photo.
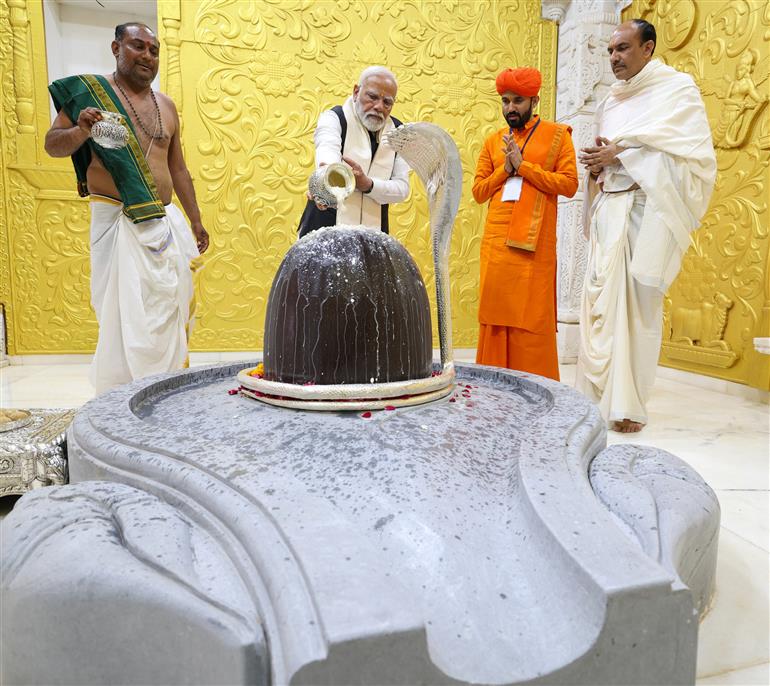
(366, 415)
(232, 391)
(390, 407)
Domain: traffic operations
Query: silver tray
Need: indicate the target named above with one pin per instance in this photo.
(18, 423)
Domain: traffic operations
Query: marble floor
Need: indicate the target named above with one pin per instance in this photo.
(726, 438)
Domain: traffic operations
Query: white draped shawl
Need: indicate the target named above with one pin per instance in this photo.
(658, 115)
(361, 208)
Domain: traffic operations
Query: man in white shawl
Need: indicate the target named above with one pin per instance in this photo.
(651, 174)
(353, 133)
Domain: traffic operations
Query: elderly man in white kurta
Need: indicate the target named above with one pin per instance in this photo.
(353, 133)
(652, 172)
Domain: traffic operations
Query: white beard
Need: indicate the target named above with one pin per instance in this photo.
(370, 121)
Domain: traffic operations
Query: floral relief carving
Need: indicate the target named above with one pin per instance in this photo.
(50, 271)
(730, 28)
(680, 21)
(9, 118)
(275, 74)
(451, 93)
(64, 235)
(697, 278)
(313, 30)
(6, 126)
(253, 93)
(24, 272)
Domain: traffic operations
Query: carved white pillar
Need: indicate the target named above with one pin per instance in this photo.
(583, 76)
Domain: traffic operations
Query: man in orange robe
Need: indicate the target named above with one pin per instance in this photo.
(521, 171)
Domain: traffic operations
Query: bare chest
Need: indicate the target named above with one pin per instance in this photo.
(151, 122)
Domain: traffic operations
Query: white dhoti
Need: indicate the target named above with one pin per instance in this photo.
(639, 227)
(142, 292)
(621, 319)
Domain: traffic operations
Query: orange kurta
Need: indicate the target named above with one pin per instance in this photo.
(517, 300)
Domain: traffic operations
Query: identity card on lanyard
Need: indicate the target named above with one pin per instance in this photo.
(512, 187)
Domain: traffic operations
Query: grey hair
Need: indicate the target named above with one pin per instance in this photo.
(376, 71)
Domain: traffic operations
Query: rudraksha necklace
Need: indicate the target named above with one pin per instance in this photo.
(139, 121)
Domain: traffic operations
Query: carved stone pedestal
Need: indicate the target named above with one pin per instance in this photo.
(487, 538)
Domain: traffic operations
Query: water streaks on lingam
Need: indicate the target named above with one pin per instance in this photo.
(348, 306)
(348, 318)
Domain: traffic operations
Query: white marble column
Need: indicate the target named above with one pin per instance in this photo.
(583, 76)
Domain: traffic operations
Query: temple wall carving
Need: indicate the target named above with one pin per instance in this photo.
(250, 80)
(43, 224)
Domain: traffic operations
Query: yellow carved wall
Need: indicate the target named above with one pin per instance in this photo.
(721, 299)
(43, 225)
(250, 79)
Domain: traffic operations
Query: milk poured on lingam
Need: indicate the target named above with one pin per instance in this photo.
(348, 305)
(331, 185)
(348, 322)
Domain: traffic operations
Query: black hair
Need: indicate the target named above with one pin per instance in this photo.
(646, 32)
(120, 29)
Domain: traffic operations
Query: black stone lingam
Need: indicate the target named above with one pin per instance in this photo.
(347, 306)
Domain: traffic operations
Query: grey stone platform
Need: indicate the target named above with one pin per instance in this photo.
(211, 539)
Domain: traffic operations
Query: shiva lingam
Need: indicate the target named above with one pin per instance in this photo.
(348, 322)
(111, 132)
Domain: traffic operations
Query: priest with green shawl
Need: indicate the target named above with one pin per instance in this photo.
(143, 251)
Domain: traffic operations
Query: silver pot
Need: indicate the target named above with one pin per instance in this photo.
(331, 184)
(110, 132)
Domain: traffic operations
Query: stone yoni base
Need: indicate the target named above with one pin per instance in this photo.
(487, 538)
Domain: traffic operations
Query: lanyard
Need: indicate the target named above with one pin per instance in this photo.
(537, 123)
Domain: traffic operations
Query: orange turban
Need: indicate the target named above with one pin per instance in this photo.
(524, 81)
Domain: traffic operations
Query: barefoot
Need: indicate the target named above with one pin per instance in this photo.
(626, 426)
